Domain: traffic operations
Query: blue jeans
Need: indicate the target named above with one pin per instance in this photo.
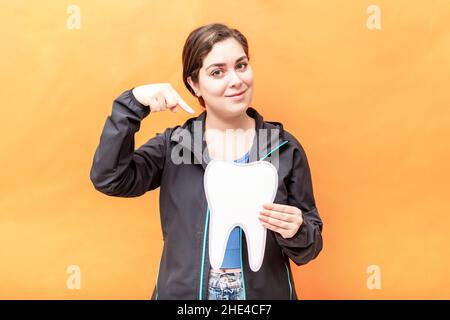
(225, 286)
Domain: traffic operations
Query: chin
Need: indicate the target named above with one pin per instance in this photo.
(237, 108)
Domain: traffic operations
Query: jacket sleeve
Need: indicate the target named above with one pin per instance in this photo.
(306, 244)
(119, 170)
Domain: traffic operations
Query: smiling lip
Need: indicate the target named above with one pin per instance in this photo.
(237, 94)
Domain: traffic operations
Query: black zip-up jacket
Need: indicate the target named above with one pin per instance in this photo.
(121, 171)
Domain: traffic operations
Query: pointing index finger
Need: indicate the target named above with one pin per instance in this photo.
(182, 103)
(185, 106)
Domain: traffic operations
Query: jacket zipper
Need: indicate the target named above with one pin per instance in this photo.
(289, 279)
(200, 295)
(203, 254)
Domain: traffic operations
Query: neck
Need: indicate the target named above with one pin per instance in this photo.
(242, 121)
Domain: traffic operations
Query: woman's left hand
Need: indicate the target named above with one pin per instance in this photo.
(282, 218)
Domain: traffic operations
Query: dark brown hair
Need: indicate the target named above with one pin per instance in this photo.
(199, 43)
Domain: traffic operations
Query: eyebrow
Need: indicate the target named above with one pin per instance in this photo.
(224, 64)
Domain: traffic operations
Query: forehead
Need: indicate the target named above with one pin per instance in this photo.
(226, 51)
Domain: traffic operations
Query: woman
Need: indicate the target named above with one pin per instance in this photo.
(216, 69)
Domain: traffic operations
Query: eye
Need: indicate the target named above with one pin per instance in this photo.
(214, 72)
(243, 64)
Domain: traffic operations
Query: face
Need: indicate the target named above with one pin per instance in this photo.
(217, 83)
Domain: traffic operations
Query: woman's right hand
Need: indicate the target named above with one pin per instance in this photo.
(160, 97)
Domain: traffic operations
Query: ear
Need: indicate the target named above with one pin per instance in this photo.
(192, 84)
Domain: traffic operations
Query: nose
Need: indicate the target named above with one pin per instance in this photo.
(235, 80)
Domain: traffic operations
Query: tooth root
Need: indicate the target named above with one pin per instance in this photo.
(218, 239)
(256, 252)
(236, 194)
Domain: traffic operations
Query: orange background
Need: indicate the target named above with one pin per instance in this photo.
(371, 108)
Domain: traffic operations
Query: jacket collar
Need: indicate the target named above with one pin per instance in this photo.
(267, 137)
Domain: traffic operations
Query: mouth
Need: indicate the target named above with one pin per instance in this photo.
(237, 94)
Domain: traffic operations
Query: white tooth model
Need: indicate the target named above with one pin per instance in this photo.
(236, 193)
